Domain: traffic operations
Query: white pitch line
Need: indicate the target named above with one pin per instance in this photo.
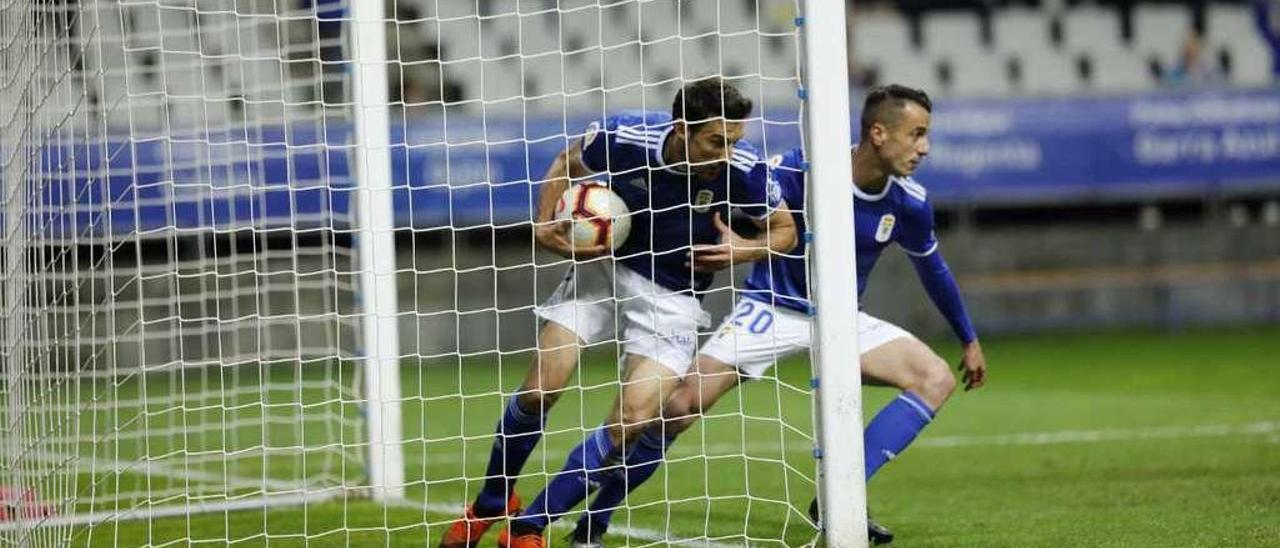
(1098, 436)
(300, 496)
(1270, 429)
(689, 448)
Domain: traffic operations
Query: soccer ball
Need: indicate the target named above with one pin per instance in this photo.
(599, 216)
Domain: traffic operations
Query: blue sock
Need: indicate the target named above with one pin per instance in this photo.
(641, 464)
(571, 485)
(517, 434)
(893, 429)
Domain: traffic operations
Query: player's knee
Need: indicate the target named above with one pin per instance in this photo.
(536, 400)
(678, 417)
(936, 383)
(636, 417)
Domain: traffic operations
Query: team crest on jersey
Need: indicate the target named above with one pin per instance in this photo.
(589, 136)
(774, 190)
(639, 183)
(702, 202)
(885, 229)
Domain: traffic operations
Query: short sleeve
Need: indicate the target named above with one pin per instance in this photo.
(754, 191)
(596, 139)
(917, 237)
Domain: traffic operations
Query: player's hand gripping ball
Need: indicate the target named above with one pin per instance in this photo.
(599, 216)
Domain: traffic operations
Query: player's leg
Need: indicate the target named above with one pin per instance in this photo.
(749, 341)
(520, 428)
(579, 311)
(698, 391)
(895, 358)
(659, 341)
(638, 405)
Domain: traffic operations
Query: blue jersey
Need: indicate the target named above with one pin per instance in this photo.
(671, 210)
(898, 214)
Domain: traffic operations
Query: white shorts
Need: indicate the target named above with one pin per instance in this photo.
(755, 335)
(657, 323)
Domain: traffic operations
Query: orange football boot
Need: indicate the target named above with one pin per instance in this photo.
(527, 540)
(468, 529)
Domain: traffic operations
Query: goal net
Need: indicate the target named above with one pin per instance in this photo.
(191, 306)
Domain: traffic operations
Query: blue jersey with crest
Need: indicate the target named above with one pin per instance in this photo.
(671, 210)
(898, 214)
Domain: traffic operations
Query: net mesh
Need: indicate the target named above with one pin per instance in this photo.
(181, 306)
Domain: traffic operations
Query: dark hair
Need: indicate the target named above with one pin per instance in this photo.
(708, 98)
(884, 102)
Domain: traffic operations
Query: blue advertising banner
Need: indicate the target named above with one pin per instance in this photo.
(471, 172)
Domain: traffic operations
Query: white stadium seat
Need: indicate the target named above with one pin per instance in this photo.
(911, 70)
(1160, 31)
(955, 33)
(1091, 29)
(879, 36)
(1050, 73)
(984, 76)
(1019, 31)
(1232, 28)
(1121, 72)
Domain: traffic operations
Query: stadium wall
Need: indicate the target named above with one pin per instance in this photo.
(1040, 274)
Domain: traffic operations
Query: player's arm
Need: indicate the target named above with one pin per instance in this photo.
(778, 232)
(922, 246)
(553, 235)
(777, 235)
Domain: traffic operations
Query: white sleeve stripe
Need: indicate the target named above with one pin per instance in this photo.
(636, 137)
(925, 253)
(626, 141)
(636, 130)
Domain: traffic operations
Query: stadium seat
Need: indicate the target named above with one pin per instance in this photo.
(659, 20)
(622, 66)
(500, 36)
(503, 80)
(1227, 22)
(1121, 72)
(1091, 29)
(1049, 73)
(540, 35)
(1019, 31)
(619, 24)
(1250, 63)
(1159, 31)
(980, 76)
(742, 52)
(1231, 28)
(735, 18)
(780, 64)
(910, 70)
(459, 39)
(952, 33)
(880, 37)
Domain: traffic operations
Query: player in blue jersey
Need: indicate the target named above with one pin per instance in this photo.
(678, 174)
(771, 317)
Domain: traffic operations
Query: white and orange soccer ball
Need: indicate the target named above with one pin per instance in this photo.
(599, 216)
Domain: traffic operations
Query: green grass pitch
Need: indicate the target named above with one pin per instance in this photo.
(1125, 440)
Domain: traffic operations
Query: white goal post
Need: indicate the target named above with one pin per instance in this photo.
(838, 391)
(269, 274)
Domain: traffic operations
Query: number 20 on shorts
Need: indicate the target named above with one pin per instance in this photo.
(755, 317)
